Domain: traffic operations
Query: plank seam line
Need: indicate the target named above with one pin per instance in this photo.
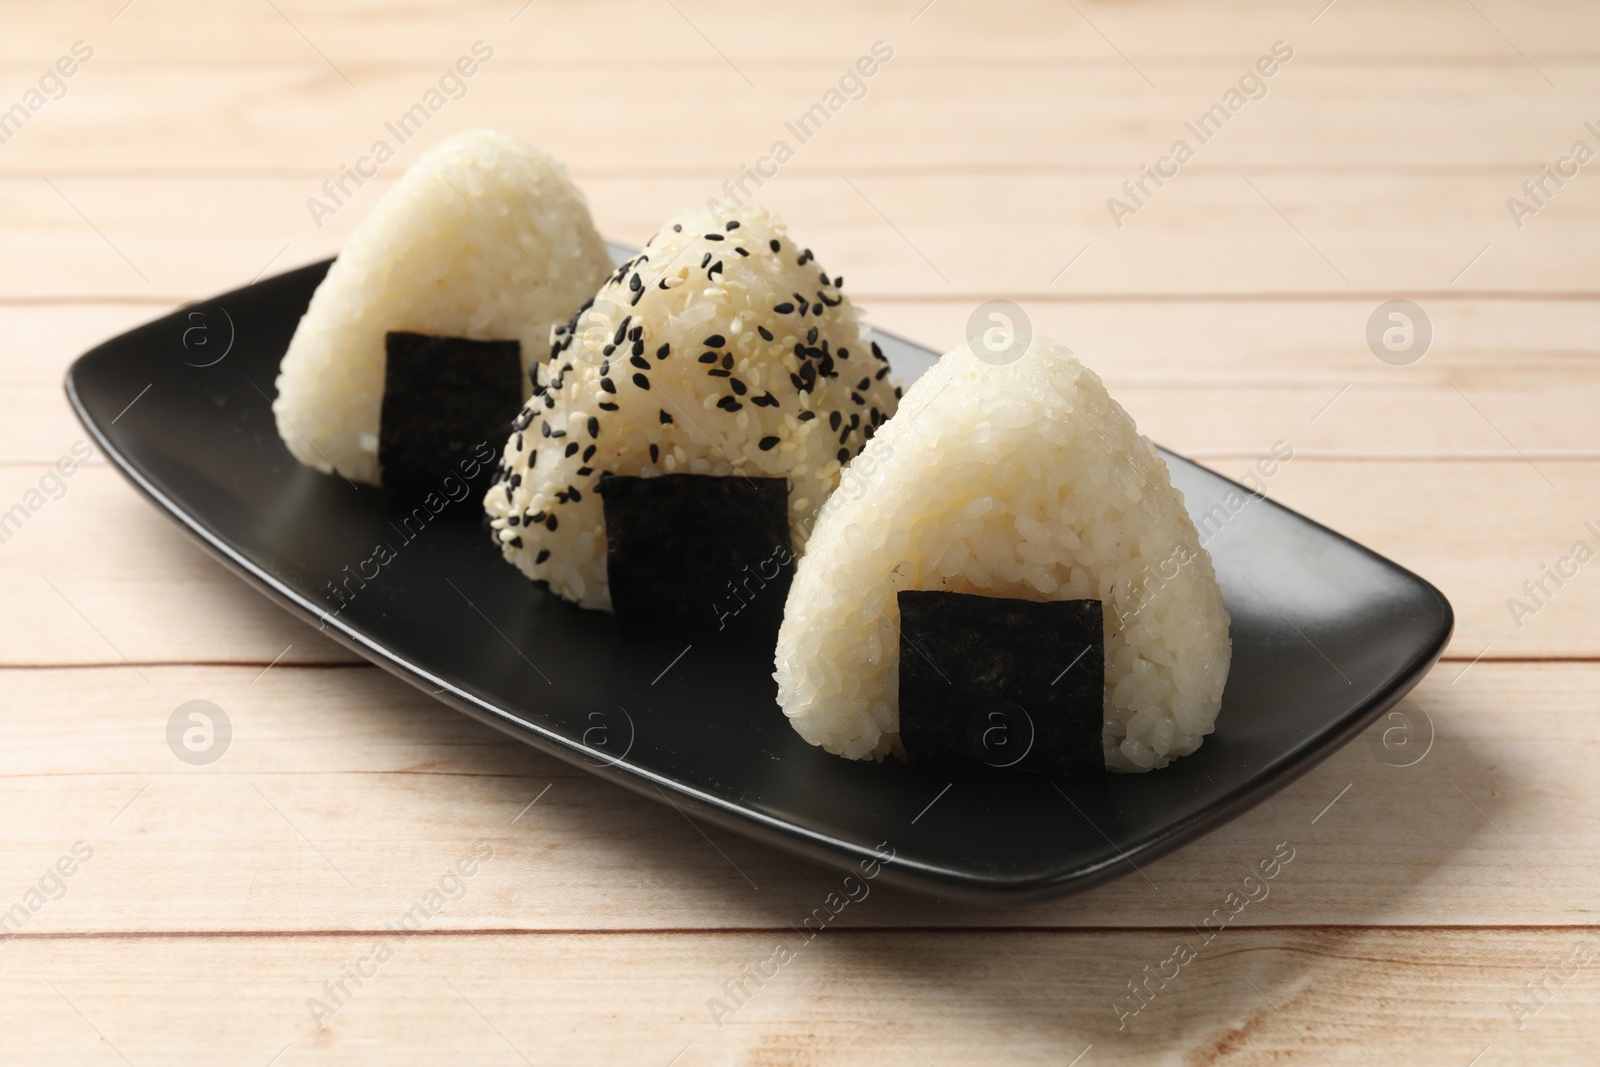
(354, 664)
(735, 931)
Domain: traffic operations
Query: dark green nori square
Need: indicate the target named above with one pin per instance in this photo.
(442, 398)
(698, 551)
(1010, 684)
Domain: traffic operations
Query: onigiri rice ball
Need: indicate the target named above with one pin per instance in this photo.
(1022, 480)
(483, 238)
(722, 348)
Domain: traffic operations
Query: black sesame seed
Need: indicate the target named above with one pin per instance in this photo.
(708, 357)
(558, 433)
(516, 542)
(898, 393)
(663, 352)
(767, 444)
(718, 372)
(728, 403)
(806, 416)
(606, 405)
(727, 361)
(844, 457)
(584, 472)
(588, 453)
(876, 351)
(844, 434)
(638, 348)
(742, 252)
(784, 308)
(666, 420)
(544, 429)
(834, 419)
(862, 385)
(716, 340)
(594, 426)
(636, 334)
(811, 336)
(704, 261)
(605, 367)
(655, 454)
(608, 385)
(766, 334)
(677, 228)
(608, 349)
(774, 245)
(765, 400)
(738, 387)
(572, 491)
(641, 381)
(634, 284)
(714, 268)
(715, 237)
(544, 554)
(640, 362)
(883, 372)
(857, 398)
(730, 227)
(572, 449)
(550, 524)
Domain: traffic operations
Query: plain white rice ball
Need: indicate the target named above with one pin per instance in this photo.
(484, 238)
(1024, 480)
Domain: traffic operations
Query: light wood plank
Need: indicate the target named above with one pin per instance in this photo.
(1221, 32)
(892, 236)
(1491, 826)
(917, 110)
(1335, 996)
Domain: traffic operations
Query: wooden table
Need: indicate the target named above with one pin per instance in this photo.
(1442, 912)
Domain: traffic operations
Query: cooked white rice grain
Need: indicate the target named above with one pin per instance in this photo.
(483, 238)
(1025, 480)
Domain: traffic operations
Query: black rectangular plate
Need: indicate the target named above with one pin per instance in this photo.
(1326, 636)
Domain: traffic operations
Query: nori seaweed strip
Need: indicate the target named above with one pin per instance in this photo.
(697, 551)
(1016, 685)
(442, 398)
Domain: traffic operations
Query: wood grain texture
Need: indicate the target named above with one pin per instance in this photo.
(1431, 911)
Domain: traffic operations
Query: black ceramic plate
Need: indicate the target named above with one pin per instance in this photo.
(1326, 636)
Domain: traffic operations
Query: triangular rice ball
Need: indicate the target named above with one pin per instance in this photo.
(483, 238)
(1024, 480)
(722, 349)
